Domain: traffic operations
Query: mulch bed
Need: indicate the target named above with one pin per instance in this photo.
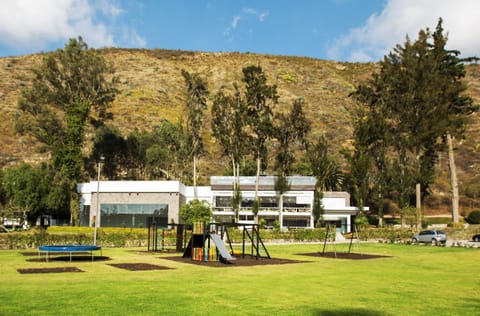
(239, 262)
(343, 255)
(138, 266)
(49, 270)
(29, 253)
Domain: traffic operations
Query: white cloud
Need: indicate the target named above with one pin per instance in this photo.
(34, 25)
(260, 15)
(235, 21)
(246, 12)
(108, 8)
(399, 18)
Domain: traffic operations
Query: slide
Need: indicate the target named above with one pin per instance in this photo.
(221, 247)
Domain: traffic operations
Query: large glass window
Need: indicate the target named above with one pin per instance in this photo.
(133, 215)
(265, 201)
(295, 222)
(85, 215)
(268, 201)
(247, 202)
(291, 201)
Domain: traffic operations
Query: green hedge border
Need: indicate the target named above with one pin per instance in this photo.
(137, 237)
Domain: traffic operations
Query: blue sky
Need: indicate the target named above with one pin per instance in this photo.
(342, 30)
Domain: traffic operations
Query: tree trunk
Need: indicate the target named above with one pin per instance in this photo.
(280, 200)
(256, 189)
(453, 179)
(236, 186)
(418, 205)
(195, 193)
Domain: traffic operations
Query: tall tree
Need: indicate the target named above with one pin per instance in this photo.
(228, 126)
(157, 154)
(420, 92)
(109, 143)
(450, 97)
(326, 171)
(72, 87)
(261, 98)
(34, 190)
(290, 129)
(196, 103)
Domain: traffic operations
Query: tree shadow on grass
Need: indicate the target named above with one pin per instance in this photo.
(347, 312)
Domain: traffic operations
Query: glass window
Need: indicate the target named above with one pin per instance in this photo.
(85, 215)
(247, 202)
(295, 223)
(133, 215)
(289, 201)
(223, 201)
(268, 201)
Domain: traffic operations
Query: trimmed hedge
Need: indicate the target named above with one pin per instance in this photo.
(136, 237)
(75, 236)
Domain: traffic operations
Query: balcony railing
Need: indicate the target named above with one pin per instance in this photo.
(273, 210)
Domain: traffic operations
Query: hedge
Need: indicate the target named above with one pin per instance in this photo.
(136, 237)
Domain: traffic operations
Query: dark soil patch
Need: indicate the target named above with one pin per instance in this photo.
(29, 253)
(67, 258)
(343, 255)
(50, 270)
(138, 266)
(239, 262)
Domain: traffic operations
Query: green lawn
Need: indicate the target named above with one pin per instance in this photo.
(415, 280)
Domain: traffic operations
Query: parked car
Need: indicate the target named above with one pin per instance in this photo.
(430, 236)
(476, 238)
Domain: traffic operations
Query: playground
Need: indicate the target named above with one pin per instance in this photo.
(211, 243)
(307, 286)
(205, 244)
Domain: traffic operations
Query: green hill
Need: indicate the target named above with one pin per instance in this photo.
(152, 88)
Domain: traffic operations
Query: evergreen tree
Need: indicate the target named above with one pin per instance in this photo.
(108, 143)
(196, 103)
(72, 87)
(417, 101)
(290, 129)
(324, 168)
(261, 98)
(228, 127)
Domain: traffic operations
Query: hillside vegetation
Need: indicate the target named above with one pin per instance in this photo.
(152, 89)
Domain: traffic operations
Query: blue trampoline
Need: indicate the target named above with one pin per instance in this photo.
(68, 249)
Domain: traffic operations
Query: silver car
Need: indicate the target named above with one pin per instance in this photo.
(430, 236)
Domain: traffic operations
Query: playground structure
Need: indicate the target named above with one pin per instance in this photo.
(333, 237)
(171, 238)
(208, 242)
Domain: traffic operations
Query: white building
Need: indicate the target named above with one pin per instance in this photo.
(140, 203)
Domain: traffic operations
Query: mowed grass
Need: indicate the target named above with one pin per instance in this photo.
(413, 280)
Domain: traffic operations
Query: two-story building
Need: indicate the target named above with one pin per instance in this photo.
(140, 203)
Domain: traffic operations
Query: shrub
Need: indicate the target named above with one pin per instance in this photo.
(473, 217)
(455, 225)
(196, 211)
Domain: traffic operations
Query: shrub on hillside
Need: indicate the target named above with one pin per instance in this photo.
(473, 217)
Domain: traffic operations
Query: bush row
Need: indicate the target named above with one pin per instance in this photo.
(125, 237)
(38, 237)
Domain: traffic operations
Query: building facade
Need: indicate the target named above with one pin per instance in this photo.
(140, 203)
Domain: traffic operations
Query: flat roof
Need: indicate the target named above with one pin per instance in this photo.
(131, 186)
(265, 183)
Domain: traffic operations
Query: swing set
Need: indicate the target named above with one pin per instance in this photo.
(333, 237)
